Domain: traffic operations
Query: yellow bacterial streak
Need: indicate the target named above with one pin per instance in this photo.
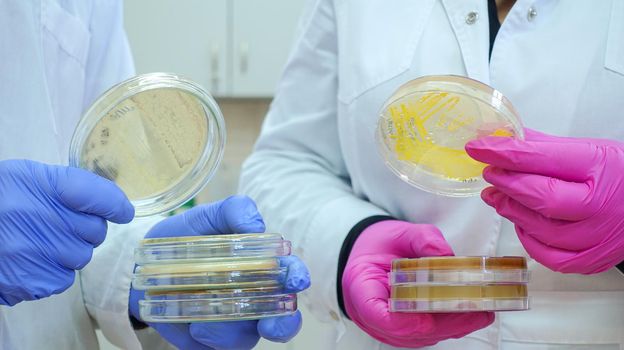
(413, 144)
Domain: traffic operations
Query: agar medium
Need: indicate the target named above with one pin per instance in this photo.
(158, 136)
(424, 126)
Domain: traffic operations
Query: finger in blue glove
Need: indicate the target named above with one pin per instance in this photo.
(233, 335)
(280, 329)
(88, 193)
(235, 214)
(297, 275)
(51, 218)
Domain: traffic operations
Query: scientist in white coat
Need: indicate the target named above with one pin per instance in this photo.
(57, 57)
(318, 178)
(55, 60)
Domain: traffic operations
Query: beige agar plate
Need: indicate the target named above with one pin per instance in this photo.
(157, 136)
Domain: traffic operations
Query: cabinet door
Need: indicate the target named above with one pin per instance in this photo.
(184, 37)
(262, 36)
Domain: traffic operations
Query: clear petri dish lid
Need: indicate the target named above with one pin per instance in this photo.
(446, 277)
(458, 298)
(424, 126)
(216, 275)
(202, 307)
(460, 263)
(158, 136)
(458, 305)
(210, 247)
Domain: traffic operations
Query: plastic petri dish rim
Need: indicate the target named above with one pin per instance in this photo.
(235, 237)
(459, 298)
(482, 263)
(460, 291)
(228, 274)
(424, 126)
(195, 308)
(211, 247)
(225, 293)
(159, 136)
(445, 277)
(459, 305)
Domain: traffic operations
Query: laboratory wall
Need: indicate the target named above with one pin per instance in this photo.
(236, 49)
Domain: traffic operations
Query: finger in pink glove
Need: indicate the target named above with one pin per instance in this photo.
(366, 290)
(563, 194)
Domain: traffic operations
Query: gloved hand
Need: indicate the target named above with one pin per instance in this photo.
(366, 289)
(564, 195)
(51, 218)
(236, 214)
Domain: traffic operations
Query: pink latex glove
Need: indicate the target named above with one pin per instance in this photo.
(366, 290)
(564, 195)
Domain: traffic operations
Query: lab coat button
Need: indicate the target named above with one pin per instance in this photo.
(471, 18)
(334, 315)
(531, 14)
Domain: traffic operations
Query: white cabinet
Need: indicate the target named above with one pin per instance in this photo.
(234, 48)
(262, 36)
(185, 37)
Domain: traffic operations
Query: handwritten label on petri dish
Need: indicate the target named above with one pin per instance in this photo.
(149, 142)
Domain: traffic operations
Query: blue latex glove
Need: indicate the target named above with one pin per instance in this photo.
(51, 218)
(237, 214)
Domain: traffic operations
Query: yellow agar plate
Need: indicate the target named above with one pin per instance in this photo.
(424, 126)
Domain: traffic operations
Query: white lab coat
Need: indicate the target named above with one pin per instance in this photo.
(57, 57)
(316, 172)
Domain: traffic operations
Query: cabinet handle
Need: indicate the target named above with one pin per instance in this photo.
(244, 57)
(214, 68)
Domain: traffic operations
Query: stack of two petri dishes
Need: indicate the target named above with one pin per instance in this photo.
(459, 284)
(422, 132)
(213, 278)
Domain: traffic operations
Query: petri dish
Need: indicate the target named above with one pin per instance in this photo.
(424, 126)
(216, 275)
(158, 136)
(213, 278)
(459, 276)
(459, 303)
(211, 247)
(437, 263)
(210, 306)
(459, 284)
(215, 293)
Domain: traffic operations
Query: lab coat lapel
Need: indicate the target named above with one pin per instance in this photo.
(473, 37)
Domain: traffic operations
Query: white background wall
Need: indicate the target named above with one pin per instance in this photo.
(234, 48)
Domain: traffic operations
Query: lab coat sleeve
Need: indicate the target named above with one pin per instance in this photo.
(106, 280)
(297, 173)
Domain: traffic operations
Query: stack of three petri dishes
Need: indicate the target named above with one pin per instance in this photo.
(213, 278)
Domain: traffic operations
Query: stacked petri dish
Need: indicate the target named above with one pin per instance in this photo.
(213, 278)
(423, 128)
(459, 284)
